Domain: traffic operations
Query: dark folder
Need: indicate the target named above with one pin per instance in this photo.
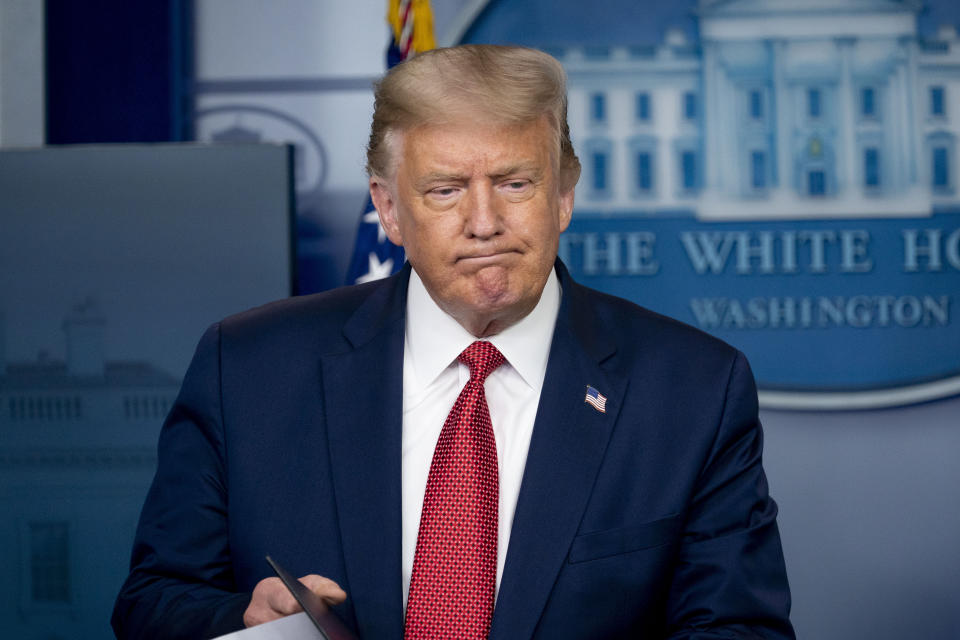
(326, 621)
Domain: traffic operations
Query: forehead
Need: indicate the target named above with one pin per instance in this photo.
(473, 145)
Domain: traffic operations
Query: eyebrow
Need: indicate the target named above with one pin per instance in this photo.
(432, 178)
(519, 168)
(438, 176)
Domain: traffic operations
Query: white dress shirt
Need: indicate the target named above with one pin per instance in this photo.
(432, 380)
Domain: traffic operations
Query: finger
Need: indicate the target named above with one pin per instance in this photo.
(270, 600)
(325, 588)
(282, 601)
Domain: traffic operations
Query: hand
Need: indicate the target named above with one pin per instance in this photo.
(272, 600)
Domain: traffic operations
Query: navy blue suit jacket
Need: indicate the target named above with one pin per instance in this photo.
(650, 520)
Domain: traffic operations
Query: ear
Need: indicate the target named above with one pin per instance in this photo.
(386, 203)
(566, 209)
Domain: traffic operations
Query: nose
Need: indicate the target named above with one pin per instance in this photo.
(482, 217)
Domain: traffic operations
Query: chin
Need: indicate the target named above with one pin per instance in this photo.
(508, 306)
(493, 294)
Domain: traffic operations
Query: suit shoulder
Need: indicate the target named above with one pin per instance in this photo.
(299, 318)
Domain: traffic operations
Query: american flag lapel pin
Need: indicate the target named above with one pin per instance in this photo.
(596, 399)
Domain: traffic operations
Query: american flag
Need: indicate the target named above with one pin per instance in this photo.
(374, 256)
(596, 399)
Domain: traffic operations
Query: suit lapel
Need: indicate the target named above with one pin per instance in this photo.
(566, 449)
(363, 402)
(363, 398)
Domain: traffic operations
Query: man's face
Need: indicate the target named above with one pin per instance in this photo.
(479, 211)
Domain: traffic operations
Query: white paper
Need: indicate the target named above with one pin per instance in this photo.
(295, 627)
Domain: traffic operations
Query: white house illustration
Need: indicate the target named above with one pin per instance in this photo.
(783, 109)
(77, 451)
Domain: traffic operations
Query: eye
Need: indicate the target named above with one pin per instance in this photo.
(517, 189)
(442, 193)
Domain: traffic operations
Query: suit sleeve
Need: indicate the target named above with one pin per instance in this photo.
(181, 583)
(730, 580)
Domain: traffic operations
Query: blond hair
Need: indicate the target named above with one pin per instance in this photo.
(509, 85)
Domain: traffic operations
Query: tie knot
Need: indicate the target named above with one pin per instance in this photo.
(482, 358)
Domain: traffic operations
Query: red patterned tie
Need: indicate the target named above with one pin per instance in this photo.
(455, 565)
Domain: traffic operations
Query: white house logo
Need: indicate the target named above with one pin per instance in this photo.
(787, 182)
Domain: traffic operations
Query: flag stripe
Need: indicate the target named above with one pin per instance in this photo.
(596, 399)
(373, 255)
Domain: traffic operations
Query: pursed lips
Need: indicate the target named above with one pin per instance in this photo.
(488, 256)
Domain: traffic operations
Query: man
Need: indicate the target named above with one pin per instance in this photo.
(600, 478)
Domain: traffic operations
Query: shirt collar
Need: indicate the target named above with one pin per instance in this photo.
(434, 339)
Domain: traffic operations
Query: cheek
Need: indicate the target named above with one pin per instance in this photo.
(543, 231)
(415, 234)
(428, 249)
(438, 234)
